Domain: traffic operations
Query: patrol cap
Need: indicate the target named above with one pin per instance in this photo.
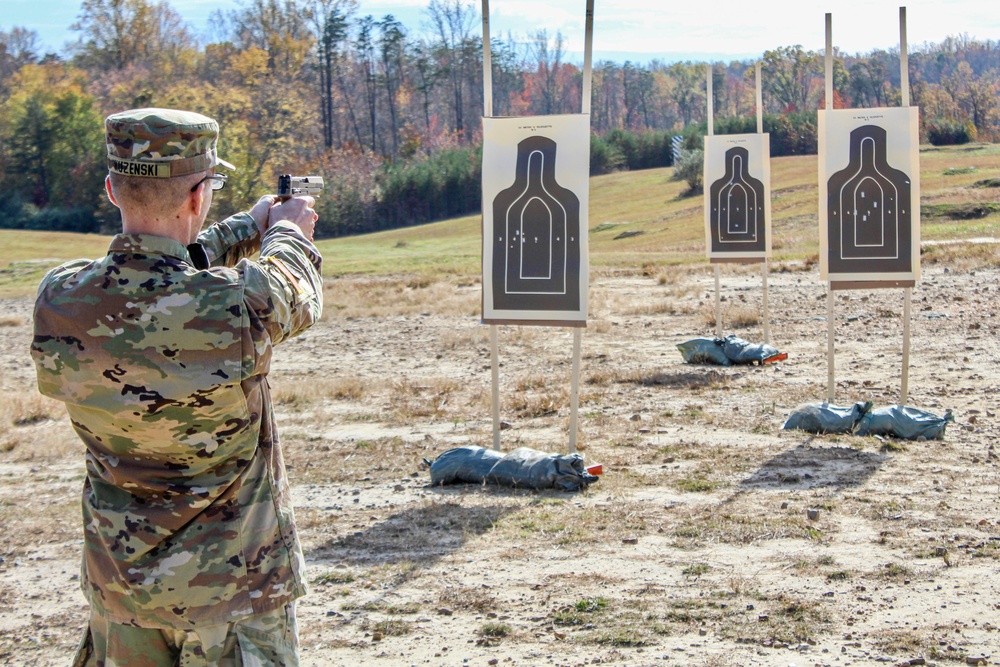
(162, 143)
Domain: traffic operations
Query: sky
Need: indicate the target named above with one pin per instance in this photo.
(636, 30)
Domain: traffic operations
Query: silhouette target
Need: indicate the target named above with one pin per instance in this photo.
(536, 242)
(736, 216)
(868, 208)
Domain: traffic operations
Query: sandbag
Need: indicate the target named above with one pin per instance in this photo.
(528, 468)
(524, 468)
(463, 465)
(728, 351)
(826, 418)
(898, 421)
(704, 351)
(740, 351)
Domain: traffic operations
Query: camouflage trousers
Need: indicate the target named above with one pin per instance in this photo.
(267, 640)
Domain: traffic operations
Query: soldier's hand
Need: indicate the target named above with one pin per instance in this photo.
(260, 212)
(298, 211)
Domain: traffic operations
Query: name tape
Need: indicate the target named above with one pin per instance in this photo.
(147, 169)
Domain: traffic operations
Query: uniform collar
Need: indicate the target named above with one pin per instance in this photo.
(145, 243)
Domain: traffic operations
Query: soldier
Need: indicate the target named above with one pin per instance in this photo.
(160, 351)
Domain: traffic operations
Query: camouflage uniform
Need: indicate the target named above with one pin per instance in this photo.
(163, 368)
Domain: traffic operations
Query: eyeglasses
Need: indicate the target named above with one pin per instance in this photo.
(218, 181)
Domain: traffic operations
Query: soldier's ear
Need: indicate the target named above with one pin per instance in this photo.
(111, 194)
(196, 200)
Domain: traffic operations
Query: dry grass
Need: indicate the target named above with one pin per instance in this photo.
(963, 256)
(21, 416)
(303, 393)
(410, 400)
(347, 298)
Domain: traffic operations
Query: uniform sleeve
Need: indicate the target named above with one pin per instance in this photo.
(285, 287)
(232, 239)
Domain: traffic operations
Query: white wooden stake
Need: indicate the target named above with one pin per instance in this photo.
(830, 378)
(904, 80)
(760, 99)
(718, 302)
(905, 380)
(588, 57)
(830, 386)
(574, 400)
(767, 314)
(904, 65)
(487, 63)
(494, 337)
(829, 61)
(760, 130)
(710, 109)
(495, 396)
(710, 121)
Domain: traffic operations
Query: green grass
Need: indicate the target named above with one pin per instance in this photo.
(636, 219)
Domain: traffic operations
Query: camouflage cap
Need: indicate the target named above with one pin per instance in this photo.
(161, 143)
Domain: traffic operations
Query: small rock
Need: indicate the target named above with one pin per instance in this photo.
(504, 426)
(444, 611)
(636, 417)
(493, 661)
(630, 540)
(813, 514)
(784, 505)
(398, 488)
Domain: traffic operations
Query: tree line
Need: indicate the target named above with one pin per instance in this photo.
(390, 115)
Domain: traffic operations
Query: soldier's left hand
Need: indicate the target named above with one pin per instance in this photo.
(261, 212)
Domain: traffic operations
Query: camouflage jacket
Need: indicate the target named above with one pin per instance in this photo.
(163, 369)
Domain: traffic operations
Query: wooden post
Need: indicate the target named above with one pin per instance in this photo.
(760, 99)
(830, 377)
(494, 337)
(495, 396)
(588, 57)
(905, 380)
(760, 130)
(574, 402)
(574, 399)
(767, 314)
(710, 120)
(904, 65)
(904, 80)
(487, 62)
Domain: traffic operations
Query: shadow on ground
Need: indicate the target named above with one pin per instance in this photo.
(809, 467)
(417, 535)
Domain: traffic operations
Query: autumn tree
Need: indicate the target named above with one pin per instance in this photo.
(52, 130)
(788, 77)
(456, 54)
(117, 33)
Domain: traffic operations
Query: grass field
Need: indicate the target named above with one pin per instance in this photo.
(636, 218)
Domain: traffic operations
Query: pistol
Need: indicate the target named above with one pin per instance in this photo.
(290, 186)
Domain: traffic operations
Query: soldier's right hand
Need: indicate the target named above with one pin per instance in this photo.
(298, 211)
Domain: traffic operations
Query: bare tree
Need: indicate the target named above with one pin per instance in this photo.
(452, 22)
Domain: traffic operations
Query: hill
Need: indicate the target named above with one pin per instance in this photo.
(636, 218)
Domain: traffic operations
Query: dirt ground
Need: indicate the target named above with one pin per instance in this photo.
(694, 548)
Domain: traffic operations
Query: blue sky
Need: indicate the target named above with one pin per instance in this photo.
(638, 30)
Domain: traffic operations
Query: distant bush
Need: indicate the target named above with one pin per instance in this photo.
(690, 167)
(790, 134)
(445, 185)
(623, 149)
(17, 215)
(943, 132)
